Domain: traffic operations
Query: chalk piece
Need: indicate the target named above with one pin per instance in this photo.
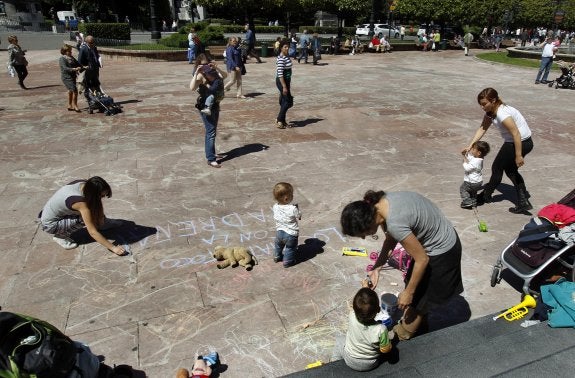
(393, 283)
(314, 364)
(349, 251)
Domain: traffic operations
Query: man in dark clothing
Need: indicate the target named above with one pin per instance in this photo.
(88, 57)
(251, 41)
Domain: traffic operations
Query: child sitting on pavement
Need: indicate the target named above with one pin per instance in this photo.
(367, 341)
(473, 180)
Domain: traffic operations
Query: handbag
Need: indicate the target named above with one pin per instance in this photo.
(399, 259)
(536, 253)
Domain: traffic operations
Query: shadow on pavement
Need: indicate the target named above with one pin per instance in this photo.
(305, 122)
(244, 150)
(309, 249)
(127, 233)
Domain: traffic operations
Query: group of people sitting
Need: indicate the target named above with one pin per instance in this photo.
(378, 43)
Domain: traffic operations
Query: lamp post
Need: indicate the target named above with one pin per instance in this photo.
(156, 35)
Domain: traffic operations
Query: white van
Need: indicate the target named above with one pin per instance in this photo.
(69, 16)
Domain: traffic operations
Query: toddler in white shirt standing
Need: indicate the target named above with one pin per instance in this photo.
(473, 180)
(286, 216)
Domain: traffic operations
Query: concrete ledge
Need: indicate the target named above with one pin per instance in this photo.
(522, 52)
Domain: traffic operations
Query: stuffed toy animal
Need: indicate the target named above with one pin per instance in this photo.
(234, 256)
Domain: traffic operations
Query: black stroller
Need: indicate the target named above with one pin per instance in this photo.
(97, 98)
(538, 253)
(567, 78)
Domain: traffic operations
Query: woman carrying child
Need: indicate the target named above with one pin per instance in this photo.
(210, 120)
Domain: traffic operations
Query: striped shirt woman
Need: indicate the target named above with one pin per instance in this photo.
(283, 80)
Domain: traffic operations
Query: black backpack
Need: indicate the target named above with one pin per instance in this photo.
(33, 348)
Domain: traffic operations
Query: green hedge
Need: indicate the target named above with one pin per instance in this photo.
(208, 34)
(119, 31)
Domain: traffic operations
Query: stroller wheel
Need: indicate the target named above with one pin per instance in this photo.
(496, 274)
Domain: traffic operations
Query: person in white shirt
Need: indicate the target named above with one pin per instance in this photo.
(473, 179)
(286, 216)
(549, 49)
(517, 143)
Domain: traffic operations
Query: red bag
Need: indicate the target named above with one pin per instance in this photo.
(560, 215)
(399, 259)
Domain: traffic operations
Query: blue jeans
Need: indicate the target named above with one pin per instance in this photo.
(211, 125)
(286, 101)
(546, 63)
(287, 243)
(192, 52)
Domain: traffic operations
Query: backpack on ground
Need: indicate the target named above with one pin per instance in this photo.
(33, 348)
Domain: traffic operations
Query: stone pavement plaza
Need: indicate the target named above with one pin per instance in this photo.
(394, 122)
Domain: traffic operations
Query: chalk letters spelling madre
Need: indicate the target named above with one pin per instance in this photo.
(227, 230)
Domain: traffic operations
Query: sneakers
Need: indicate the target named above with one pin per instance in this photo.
(65, 243)
(206, 111)
(277, 259)
(280, 125)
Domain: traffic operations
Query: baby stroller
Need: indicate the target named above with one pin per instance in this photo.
(567, 79)
(540, 251)
(98, 100)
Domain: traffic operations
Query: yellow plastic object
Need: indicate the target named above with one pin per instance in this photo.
(482, 226)
(314, 364)
(349, 251)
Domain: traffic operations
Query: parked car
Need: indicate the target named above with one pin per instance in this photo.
(378, 29)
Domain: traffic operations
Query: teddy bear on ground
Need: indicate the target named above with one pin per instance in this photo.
(234, 256)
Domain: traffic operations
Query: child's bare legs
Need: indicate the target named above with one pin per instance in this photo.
(201, 368)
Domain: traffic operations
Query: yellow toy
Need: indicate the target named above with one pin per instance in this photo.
(314, 364)
(348, 251)
(234, 256)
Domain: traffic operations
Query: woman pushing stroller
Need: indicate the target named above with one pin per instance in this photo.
(517, 143)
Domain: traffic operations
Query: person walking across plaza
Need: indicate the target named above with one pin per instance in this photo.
(193, 45)
(467, 39)
(304, 45)
(402, 32)
(283, 83)
(316, 48)
(69, 69)
(17, 60)
(89, 58)
(250, 39)
(517, 143)
(210, 121)
(235, 66)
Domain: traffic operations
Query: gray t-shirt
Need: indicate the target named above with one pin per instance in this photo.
(60, 205)
(411, 212)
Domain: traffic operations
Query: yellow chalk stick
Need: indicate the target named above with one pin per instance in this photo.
(349, 251)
